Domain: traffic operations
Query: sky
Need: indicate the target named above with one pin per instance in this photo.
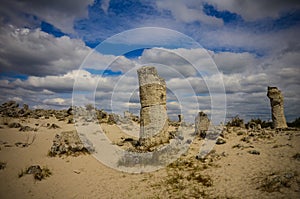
(216, 56)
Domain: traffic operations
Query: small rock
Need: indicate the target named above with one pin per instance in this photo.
(69, 143)
(297, 156)
(26, 128)
(76, 171)
(34, 169)
(14, 125)
(54, 126)
(254, 152)
(21, 145)
(220, 141)
(2, 165)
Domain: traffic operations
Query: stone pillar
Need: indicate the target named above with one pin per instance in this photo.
(180, 118)
(276, 99)
(153, 114)
(201, 124)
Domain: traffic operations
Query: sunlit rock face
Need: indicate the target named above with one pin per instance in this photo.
(276, 99)
(153, 114)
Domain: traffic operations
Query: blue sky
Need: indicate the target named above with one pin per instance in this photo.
(254, 44)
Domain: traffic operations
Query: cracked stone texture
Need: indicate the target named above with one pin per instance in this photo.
(276, 99)
(201, 124)
(153, 114)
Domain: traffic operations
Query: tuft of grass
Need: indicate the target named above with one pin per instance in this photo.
(275, 181)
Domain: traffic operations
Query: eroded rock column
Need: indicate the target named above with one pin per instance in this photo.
(153, 114)
(201, 124)
(276, 99)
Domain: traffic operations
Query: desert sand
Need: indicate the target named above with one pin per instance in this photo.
(250, 164)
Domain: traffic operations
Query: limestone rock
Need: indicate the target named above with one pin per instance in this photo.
(26, 128)
(276, 99)
(153, 114)
(69, 143)
(10, 109)
(201, 124)
(14, 125)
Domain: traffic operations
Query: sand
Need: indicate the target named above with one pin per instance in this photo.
(234, 172)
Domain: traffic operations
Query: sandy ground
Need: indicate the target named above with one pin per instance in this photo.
(233, 171)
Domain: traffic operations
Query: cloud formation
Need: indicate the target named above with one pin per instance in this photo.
(253, 45)
(34, 52)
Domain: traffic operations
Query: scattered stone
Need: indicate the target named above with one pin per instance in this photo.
(220, 141)
(9, 109)
(239, 146)
(297, 156)
(26, 128)
(276, 100)
(54, 126)
(131, 116)
(2, 165)
(246, 139)
(69, 143)
(202, 124)
(276, 181)
(38, 172)
(33, 169)
(153, 114)
(76, 171)
(14, 125)
(21, 144)
(236, 122)
(111, 119)
(254, 152)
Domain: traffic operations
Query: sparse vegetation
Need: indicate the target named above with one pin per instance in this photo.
(235, 122)
(185, 179)
(275, 181)
(258, 121)
(37, 172)
(295, 123)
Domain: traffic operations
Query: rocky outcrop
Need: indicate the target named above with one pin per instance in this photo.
(201, 124)
(69, 143)
(276, 99)
(153, 114)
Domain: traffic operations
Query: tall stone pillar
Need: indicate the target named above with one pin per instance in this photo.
(201, 124)
(276, 99)
(153, 114)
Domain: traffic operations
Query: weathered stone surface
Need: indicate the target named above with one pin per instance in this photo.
(26, 128)
(69, 143)
(201, 124)
(276, 99)
(180, 118)
(14, 125)
(153, 114)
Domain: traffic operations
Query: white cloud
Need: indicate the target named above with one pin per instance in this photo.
(61, 14)
(35, 52)
(188, 11)
(245, 89)
(251, 10)
(55, 101)
(17, 99)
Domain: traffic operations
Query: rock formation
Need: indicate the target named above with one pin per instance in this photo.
(69, 143)
(201, 124)
(276, 99)
(153, 114)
